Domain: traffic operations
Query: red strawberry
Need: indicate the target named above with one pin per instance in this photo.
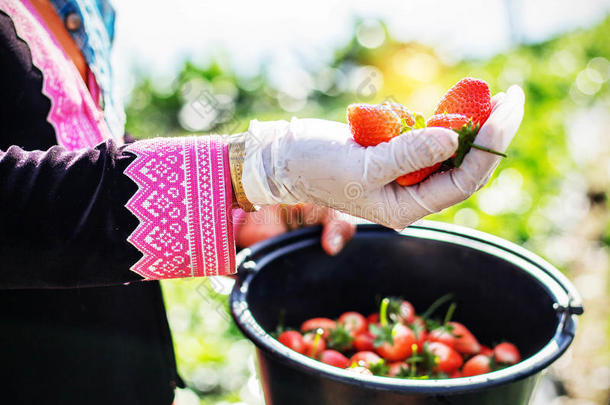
(373, 124)
(459, 337)
(486, 351)
(401, 111)
(396, 368)
(421, 174)
(364, 341)
(466, 130)
(469, 97)
(507, 353)
(334, 358)
(373, 318)
(421, 334)
(365, 359)
(447, 360)
(479, 364)
(314, 344)
(451, 121)
(417, 176)
(314, 324)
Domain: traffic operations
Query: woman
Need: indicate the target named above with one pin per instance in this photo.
(80, 207)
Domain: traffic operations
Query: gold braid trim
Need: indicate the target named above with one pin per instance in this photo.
(237, 153)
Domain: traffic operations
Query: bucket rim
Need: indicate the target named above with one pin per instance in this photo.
(567, 303)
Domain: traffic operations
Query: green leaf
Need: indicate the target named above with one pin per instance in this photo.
(420, 121)
(281, 327)
(383, 334)
(429, 360)
(340, 339)
(394, 309)
(466, 136)
(417, 329)
(379, 368)
(404, 372)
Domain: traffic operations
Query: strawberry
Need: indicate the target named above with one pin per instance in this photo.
(469, 97)
(314, 344)
(486, 351)
(507, 353)
(401, 111)
(365, 359)
(464, 108)
(478, 364)
(398, 369)
(451, 121)
(457, 336)
(447, 360)
(421, 174)
(314, 324)
(467, 132)
(334, 358)
(472, 99)
(373, 124)
(418, 175)
(460, 124)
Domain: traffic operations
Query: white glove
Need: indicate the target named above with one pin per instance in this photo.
(317, 161)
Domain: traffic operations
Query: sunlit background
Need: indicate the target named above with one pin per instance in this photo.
(191, 66)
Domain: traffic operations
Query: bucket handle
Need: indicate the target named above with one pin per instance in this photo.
(570, 309)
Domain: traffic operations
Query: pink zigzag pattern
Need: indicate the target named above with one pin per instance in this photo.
(77, 121)
(183, 204)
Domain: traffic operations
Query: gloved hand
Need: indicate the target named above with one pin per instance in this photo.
(317, 161)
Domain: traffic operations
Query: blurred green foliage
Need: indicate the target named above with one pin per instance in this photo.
(563, 78)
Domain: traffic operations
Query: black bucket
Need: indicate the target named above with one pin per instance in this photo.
(502, 290)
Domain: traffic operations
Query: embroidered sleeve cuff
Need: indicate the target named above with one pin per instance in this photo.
(183, 204)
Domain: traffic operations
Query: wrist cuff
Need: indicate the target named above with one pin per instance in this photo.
(183, 204)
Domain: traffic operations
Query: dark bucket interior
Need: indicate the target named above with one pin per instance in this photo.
(495, 299)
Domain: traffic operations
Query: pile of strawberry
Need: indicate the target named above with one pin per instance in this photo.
(464, 109)
(396, 342)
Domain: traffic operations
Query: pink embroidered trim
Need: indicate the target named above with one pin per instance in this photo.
(183, 204)
(77, 121)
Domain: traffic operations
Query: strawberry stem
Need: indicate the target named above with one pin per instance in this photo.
(316, 341)
(466, 137)
(383, 312)
(485, 149)
(449, 313)
(435, 305)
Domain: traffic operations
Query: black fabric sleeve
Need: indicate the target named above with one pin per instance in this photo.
(63, 221)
